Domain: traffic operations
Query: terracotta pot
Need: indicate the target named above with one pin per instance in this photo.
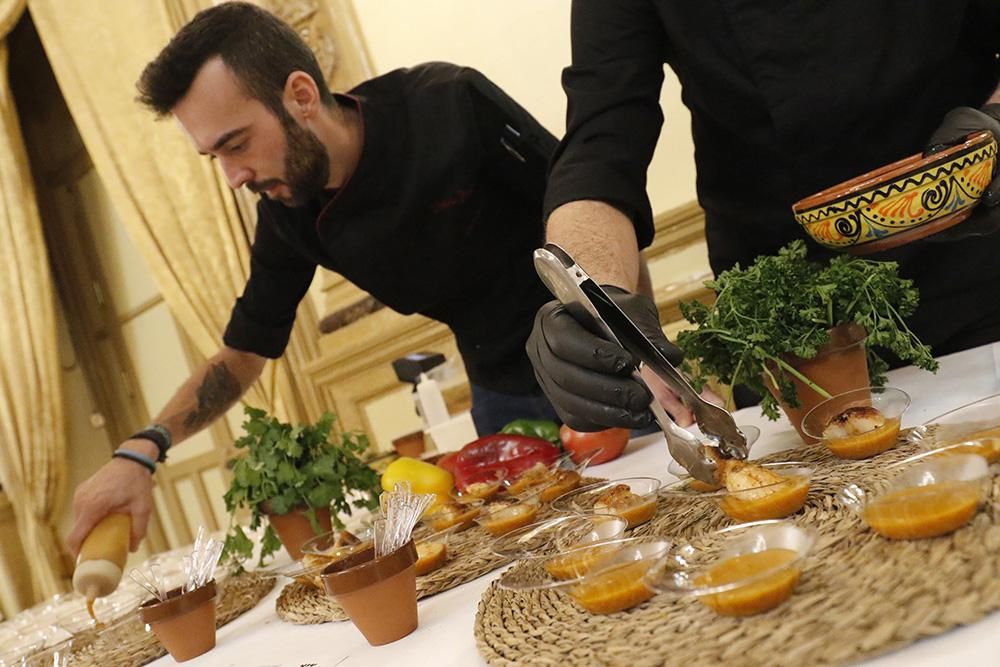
(378, 594)
(839, 366)
(295, 530)
(411, 444)
(185, 622)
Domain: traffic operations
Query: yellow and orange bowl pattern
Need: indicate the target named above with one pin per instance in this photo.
(900, 197)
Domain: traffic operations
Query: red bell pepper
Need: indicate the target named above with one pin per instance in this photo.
(482, 460)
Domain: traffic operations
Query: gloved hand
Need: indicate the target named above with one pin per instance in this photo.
(586, 378)
(955, 127)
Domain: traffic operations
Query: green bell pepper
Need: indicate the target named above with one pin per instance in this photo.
(534, 428)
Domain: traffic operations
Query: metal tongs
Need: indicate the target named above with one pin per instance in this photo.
(591, 306)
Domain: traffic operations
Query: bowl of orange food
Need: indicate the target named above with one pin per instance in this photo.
(631, 498)
(558, 534)
(603, 578)
(975, 426)
(742, 570)
(929, 495)
(903, 201)
(751, 491)
(860, 423)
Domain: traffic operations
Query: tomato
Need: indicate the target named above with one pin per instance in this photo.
(423, 477)
(580, 445)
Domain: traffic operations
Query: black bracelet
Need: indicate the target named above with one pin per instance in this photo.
(159, 436)
(145, 462)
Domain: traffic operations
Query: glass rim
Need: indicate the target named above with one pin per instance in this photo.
(560, 503)
(860, 392)
(808, 469)
(656, 581)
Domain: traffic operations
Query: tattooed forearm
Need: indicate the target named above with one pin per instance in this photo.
(218, 391)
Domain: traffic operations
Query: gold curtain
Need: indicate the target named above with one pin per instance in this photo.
(32, 433)
(192, 230)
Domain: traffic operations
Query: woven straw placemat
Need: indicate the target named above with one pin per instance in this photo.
(128, 644)
(860, 594)
(469, 557)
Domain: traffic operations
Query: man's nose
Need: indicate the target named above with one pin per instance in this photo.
(236, 174)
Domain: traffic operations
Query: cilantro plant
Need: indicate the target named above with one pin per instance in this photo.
(784, 305)
(290, 468)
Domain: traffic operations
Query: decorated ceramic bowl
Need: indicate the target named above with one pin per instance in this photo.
(903, 201)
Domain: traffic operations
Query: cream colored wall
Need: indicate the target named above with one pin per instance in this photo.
(522, 45)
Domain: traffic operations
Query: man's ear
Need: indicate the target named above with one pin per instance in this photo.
(301, 96)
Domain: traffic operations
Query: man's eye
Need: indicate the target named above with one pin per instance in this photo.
(237, 148)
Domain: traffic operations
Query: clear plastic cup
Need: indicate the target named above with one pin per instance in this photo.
(742, 570)
(558, 534)
(459, 514)
(550, 481)
(432, 550)
(631, 498)
(602, 577)
(501, 517)
(930, 495)
(850, 429)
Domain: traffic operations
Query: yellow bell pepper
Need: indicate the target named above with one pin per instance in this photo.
(423, 477)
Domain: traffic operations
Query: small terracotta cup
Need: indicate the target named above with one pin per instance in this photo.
(294, 529)
(185, 622)
(378, 594)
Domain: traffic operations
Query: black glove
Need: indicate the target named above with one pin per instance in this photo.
(588, 379)
(955, 127)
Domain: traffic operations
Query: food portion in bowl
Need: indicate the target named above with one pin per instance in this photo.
(620, 500)
(764, 580)
(631, 498)
(577, 562)
(485, 489)
(755, 492)
(319, 552)
(432, 552)
(614, 589)
(557, 535)
(860, 423)
(930, 496)
(502, 516)
(988, 447)
(458, 514)
(549, 481)
(617, 582)
(742, 570)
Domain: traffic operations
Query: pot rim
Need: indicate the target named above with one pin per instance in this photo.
(858, 337)
(177, 603)
(362, 569)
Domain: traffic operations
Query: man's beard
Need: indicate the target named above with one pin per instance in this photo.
(307, 166)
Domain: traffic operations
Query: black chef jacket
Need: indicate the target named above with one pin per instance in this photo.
(786, 98)
(439, 218)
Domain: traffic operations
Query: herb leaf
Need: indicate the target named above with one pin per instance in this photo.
(294, 467)
(784, 305)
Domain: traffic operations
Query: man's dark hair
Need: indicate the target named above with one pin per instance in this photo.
(257, 46)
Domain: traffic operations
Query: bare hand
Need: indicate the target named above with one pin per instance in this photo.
(119, 487)
(669, 400)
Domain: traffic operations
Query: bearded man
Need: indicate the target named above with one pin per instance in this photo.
(423, 186)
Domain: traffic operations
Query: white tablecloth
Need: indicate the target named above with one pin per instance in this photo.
(445, 636)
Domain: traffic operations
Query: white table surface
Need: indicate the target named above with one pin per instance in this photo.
(445, 635)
